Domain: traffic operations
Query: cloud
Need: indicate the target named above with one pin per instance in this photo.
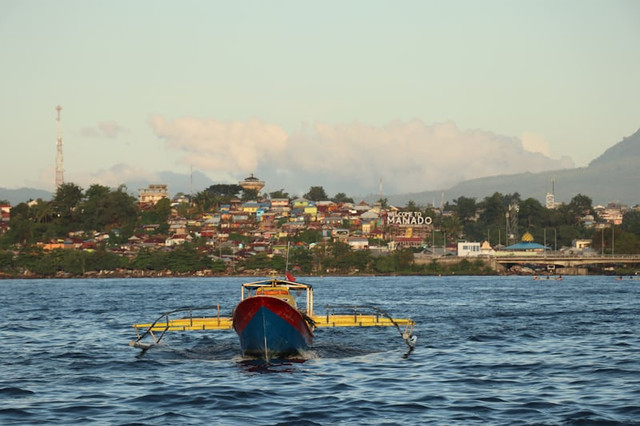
(409, 156)
(108, 129)
(534, 142)
(134, 176)
(221, 149)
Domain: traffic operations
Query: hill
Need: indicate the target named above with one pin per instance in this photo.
(613, 176)
(17, 196)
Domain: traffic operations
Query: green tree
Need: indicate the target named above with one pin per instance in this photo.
(494, 209)
(279, 194)
(579, 206)
(531, 214)
(465, 208)
(67, 199)
(157, 214)
(302, 258)
(341, 197)
(316, 193)
(412, 206)
(249, 194)
(224, 191)
(631, 222)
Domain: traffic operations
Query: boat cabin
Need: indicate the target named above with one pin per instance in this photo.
(281, 289)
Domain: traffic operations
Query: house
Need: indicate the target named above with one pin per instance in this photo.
(178, 239)
(152, 194)
(358, 243)
(469, 249)
(404, 242)
(331, 221)
(301, 203)
(339, 234)
(5, 212)
(250, 207)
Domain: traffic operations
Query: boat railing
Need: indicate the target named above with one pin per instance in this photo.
(362, 311)
(164, 323)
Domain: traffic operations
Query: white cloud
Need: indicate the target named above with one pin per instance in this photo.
(108, 129)
(534, 142)
(408, 156)
(219, 148)
(114, 177)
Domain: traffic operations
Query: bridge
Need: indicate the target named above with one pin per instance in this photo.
(568, 264)
(552, 261)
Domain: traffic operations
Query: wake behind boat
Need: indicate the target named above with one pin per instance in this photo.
(269, 322)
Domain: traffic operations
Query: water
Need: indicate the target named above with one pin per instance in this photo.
(491, 350)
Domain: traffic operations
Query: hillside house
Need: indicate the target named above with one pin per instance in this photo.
(152, 194)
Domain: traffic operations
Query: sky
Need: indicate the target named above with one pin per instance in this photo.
(345, 95)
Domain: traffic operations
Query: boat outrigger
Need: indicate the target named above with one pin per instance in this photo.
(269, 322)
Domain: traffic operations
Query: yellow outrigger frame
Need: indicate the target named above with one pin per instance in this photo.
(356, 318)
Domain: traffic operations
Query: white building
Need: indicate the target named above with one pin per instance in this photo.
(468, 249)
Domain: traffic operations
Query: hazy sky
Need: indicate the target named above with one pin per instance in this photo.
(339, 94)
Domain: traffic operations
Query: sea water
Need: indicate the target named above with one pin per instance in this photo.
(490, 350)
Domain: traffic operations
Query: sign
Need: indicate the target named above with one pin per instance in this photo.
(408, 218)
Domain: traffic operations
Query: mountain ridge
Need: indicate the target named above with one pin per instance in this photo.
(612, 176)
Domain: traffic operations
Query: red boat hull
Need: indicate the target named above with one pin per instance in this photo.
(270, 328)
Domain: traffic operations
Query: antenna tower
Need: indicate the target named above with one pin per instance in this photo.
(59, 167)
(512, 223)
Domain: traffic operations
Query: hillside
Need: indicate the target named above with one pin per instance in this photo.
(17, 196)
(613, 176)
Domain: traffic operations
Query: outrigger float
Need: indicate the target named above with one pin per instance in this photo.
(268, 321)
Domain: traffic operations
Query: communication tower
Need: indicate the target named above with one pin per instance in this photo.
(59, 167)
(512, 223)
(550, 199)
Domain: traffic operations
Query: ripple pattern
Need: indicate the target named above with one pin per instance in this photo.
(491, 350)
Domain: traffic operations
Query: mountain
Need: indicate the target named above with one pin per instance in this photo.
(17, 196)
(613, 176)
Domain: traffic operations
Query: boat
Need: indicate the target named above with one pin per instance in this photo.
(269, 322)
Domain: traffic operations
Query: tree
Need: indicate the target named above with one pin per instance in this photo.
(227, 191)
(465, 208)
(341, 197)
(316, 193)
(412, 206)
(631, 222)
(249, 194)
(104, 209)
(279, 194)
(158, 214)
(67, 198)
(579, 206)
(531, 213)
(205, 201)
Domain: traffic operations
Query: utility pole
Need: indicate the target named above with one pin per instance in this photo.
(59, 166)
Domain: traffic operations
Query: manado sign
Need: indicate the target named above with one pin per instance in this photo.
(408, 218)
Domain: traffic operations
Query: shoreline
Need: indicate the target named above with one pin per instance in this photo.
(205, 274)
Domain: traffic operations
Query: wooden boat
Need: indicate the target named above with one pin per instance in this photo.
(269, 322)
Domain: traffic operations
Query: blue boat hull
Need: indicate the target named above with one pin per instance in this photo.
(270, 328)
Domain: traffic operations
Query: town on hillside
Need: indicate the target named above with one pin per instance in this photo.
(313, 234)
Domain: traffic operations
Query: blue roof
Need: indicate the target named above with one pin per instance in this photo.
(526, 246)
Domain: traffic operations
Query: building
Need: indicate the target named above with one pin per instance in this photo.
(468, 249)
(252, 183)
(152, 194)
